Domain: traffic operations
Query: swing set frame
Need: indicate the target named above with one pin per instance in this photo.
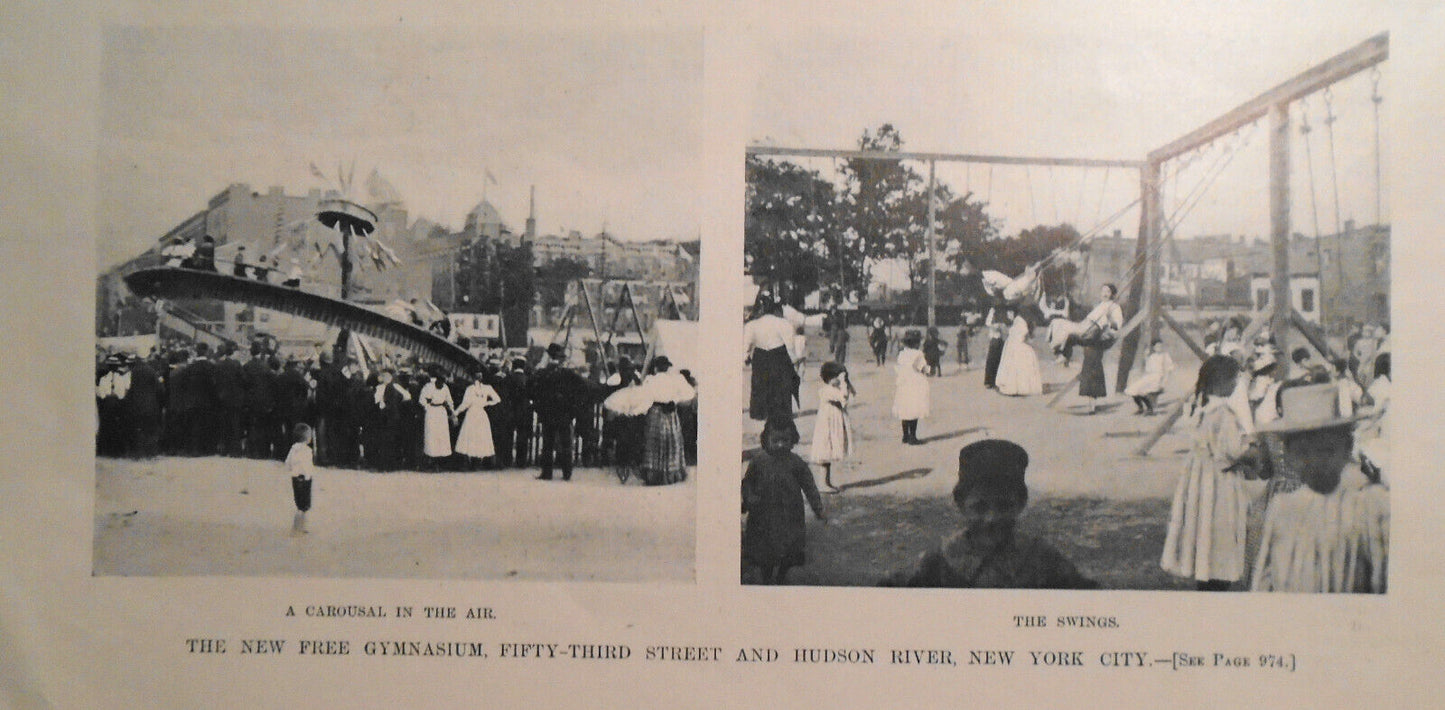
(1142, 309)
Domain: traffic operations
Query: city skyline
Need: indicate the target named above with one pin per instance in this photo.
(608, 128)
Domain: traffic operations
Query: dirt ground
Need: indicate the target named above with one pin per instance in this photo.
(1101, 504)
(219, 516)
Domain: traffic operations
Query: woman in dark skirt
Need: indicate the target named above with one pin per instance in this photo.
(1101, 326)
(626, 428)
(769, 344)
(997, 323)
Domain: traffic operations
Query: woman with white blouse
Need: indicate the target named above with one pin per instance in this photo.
(1101, 326)
(474, 440)
(768, 341)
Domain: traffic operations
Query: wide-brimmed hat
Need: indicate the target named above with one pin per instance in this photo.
(1309, 407)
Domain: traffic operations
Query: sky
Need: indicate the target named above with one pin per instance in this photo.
(613, 127)
(1112, 87)
(607, 126)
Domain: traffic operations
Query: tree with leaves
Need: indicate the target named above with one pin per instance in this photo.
(792, 242)
(881, 202)
(553, 278)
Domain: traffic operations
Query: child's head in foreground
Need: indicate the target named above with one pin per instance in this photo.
(779, 434)
(990, 493)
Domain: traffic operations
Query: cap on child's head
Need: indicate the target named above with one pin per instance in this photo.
(782, 427)
(301, 433)
(992, 465)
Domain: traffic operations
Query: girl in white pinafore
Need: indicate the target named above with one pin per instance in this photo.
(910, 394)
(1145, 389)
(475, 437)
(832, 432)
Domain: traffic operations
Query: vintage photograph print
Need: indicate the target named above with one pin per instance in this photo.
(1068, 313)
(392, 303)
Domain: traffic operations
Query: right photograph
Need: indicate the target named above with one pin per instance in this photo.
(1068, 314)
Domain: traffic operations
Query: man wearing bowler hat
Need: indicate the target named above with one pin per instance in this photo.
(556, 393)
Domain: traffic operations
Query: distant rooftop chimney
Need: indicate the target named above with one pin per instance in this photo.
(530, 232)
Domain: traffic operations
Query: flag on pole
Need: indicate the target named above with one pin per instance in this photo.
(490, 177)
(380, 190)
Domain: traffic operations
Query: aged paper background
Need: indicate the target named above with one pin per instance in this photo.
(69, 640)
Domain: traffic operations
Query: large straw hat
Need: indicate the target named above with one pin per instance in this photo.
(1308, 407)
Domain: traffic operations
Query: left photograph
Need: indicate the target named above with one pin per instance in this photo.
(385, 303)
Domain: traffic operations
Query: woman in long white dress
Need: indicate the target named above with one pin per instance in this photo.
(1018, 370)
(436, 402)
(475, 437)
(910, 394)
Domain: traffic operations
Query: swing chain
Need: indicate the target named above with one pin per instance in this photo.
(1375, 86)
(1304, 119)
(1329, 96)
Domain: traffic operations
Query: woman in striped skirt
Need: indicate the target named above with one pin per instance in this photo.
(664, 459)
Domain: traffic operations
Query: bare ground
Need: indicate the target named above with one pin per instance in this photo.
(218, 516)
(1092, 496)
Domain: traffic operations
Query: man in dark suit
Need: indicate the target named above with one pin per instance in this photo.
(330, 410)
(143, 409)
(174, 427)
(262, 431)
(239, 267)
(230, 400)
(515, 392)
(195, 402)
(557, 393)
(205, 258)
(292, 394)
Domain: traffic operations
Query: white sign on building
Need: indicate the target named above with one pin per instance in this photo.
(476, 325)
(1306, 294)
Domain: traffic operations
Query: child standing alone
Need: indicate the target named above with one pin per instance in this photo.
(832, 431)
(300, 464)
(774, 489)
(933, 347)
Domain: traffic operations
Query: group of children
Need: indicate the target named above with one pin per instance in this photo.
(1278, 493)
(1275, 495)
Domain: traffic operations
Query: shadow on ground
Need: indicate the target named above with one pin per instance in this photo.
(901, 475)
(950, 435)
(1116, 543)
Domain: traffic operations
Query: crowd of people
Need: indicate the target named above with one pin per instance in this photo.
(1286, 484)
(185, 253)
(511, 412)
(1285, 487)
